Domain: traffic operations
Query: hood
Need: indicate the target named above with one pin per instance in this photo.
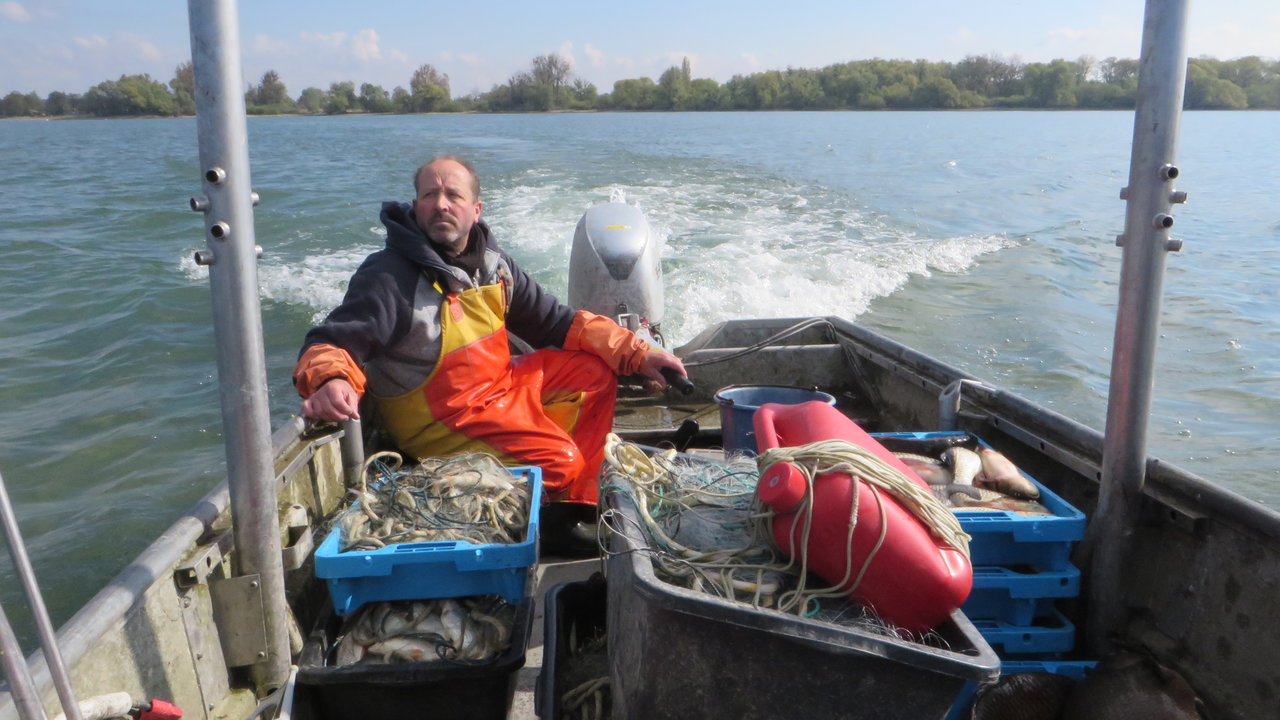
(406, 238)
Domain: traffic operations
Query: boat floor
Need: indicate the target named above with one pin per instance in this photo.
(647, 420)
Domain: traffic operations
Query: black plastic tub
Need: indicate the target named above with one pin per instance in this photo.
(572, 610)
(677, 653)
(435, 690)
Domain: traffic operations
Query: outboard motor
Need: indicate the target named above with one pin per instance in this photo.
(614, 268)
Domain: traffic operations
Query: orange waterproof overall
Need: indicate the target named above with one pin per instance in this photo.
(549, 408)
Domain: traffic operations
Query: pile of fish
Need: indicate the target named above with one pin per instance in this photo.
(966, 475)
(470, 498)
(470, 629)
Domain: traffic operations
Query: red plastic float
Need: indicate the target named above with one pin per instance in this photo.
(914, 581)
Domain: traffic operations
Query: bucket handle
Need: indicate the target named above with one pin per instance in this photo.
(766, 438)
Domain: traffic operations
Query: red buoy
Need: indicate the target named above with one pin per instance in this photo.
(913, 580)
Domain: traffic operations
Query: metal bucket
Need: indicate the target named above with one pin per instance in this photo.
(739, 402)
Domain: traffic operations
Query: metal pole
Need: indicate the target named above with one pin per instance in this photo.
(53, 658)
(242, 377)
(21, 686)
(1148, 217)
(352, 447)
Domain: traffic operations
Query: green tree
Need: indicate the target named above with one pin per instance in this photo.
(899, 94)
(1120, 72)
(340, 98)
(1051, 85)
(937, 92)
(402, 100)
(16, 104)
(801, 90)
(634, 94)
(374, 99)
(1104, 95)
(429, 89)
(550, 74)
(130, 95)
(147, 96)
(1224, 95)
(583, 95)
(768, 89)
(60, 103)
(673, 89)
(846, 84)
(183, 86)
(707, 94)
(1207, 91)
(270, 92)
(312, 100)
(742, 93)
(990, 76)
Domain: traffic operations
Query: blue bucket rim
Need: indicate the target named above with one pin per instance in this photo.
(723, 401)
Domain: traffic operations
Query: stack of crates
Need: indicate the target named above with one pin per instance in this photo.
(1021, 567)
(422, 571)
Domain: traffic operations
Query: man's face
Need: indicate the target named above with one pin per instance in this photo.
(446, 207)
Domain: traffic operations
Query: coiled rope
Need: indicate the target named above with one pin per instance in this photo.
(725, 571)
(657, 497)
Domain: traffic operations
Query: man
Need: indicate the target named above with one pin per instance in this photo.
(423, 329)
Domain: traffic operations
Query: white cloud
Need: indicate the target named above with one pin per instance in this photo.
(14, 11)
(365, 45)
(597, 56)
(266, 45)
(963, 36)
(566, 52)
(1226, 40)
(93, 42)
(1094, 40)
(143, 47)
(330, 41)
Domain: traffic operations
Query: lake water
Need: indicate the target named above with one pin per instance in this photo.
(983, 238)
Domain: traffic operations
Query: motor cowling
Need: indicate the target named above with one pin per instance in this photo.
(615, 270)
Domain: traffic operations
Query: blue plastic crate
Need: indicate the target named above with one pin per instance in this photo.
(1002, 537)
(1071, 668)
(1017, 598)
(416, 571)
(1053, 633)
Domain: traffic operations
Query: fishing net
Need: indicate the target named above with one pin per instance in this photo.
(702, 520)
(707, 531)
(471, 498)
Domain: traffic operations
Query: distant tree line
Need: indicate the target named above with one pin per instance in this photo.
(977, 81)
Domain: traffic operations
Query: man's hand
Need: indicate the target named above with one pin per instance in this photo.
(652, 365)
(336, 401)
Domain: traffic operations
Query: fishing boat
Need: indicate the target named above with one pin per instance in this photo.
(1172, 565)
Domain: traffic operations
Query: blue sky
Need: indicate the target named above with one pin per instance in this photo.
(71, 45)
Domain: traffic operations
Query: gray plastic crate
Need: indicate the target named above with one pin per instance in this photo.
(677, 653)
